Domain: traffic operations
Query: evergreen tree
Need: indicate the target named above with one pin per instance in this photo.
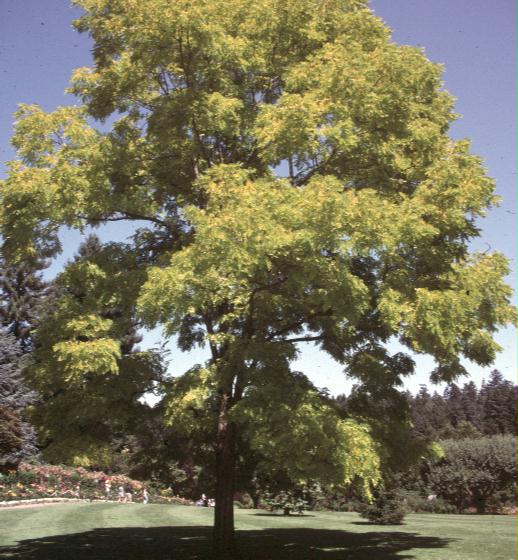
(454, 404)
(471, 405)
(440, 417)
(16, 435)
(515, 411)
(499, 405)
(423, 414)
(22, 295)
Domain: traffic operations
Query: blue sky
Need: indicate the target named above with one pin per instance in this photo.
(474, 39)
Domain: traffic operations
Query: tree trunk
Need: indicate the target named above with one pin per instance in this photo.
(223, 535)
(480, 503)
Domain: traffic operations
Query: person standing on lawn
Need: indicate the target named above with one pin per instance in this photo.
(107, 488)
(129, 493)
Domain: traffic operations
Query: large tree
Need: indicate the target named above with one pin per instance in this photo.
(364, 239)
(473, 470)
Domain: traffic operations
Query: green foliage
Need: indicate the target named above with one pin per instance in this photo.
(22, 296)
(362, 123)
(17, 437)
(467, 412)
(294, 430)
(85, 366)
(472, 470)
(386, 411)
(464, 430)
(389, 508)
(498, 397)
(287, 502)
(420, 504)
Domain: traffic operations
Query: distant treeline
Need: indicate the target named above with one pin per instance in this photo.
(466, 411)
(463, 412)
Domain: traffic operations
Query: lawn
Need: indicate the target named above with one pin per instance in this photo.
(165, 532)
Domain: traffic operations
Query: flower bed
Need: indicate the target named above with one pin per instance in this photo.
(32, 482)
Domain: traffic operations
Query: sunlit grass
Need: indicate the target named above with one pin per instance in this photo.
(156, 532)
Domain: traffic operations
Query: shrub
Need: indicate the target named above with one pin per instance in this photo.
(420, 504)
(288, 502)
(336, 502)
(503, 501)
(389, 508)
(244, 499)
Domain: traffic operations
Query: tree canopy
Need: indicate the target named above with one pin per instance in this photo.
(86, 366)
(291, 172)
(475, 469)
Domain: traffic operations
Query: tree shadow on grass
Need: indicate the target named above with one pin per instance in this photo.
(281, 516)
(374, 524)
(193, 543)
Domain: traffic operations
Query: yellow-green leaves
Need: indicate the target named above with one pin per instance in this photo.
(89, 326)
(220, 114)
(97, 356)
(293, 429)
(359, 456)
(361, 107)
(455, 190)
(88, 351)
(457, 319)
(291, 128)
(462, 318)
(252, 235)
(189, 400)
(262, 244)
(52, 183)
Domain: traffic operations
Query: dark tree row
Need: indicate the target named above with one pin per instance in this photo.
(457, 413)
(467, 411)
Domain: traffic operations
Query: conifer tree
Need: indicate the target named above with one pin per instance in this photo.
(22, 295)
(454, 404)
(499, 405)
(16, 435)
(471, 405)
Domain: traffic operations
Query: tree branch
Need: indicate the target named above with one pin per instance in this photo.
(300, 323)
(299, 339)
(124, 216)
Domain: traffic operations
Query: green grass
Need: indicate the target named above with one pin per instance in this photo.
(164, 532)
